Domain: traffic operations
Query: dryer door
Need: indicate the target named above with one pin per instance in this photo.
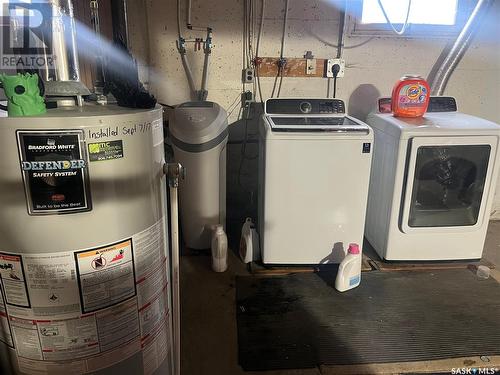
(447, 184)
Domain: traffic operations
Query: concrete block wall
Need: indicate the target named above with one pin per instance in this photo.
(371, 69)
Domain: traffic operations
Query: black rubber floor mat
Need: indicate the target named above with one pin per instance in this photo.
(301, 321)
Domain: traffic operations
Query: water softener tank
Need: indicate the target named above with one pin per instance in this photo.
(83, 246)
(199, 134)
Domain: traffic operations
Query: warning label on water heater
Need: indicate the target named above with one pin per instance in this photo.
(5, 332)
(105, 275)
(13, 280)
(86, 310)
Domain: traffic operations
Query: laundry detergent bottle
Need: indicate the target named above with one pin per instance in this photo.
(349, 274)
(219, 249)
(410, 96)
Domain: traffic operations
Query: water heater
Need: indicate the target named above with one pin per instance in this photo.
(84, 264)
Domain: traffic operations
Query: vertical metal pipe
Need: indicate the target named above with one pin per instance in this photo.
(99, 66)
(64, 41)
(174, 229)
(342, 31)
(174, 172)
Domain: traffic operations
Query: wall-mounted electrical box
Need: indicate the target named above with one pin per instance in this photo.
(329, 66)
(248, 75)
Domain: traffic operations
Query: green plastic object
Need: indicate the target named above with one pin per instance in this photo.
(23, 94)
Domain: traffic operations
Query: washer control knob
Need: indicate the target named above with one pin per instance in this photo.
(305, 107)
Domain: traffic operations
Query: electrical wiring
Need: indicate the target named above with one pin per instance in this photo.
(248, 37)
(405, 24)
(285, 19)
(250, 31)
(232, 110)
(281, 66)
(233, 105)
(246, 61)
(244, 155)
(275, 82)
(261, 27)
(281, 81)
(259, 36)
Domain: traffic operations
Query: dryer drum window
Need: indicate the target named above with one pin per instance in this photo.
(448, 185)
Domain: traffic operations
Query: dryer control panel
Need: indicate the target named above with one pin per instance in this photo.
(305, 106)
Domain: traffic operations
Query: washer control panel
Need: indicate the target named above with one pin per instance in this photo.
(305, 106)
(442, 104)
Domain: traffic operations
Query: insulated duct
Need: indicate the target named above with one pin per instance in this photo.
(439, 77)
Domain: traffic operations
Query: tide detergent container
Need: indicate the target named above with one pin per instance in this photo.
(410, 96)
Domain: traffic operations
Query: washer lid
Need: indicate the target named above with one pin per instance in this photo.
(197, 123)
(339, 124)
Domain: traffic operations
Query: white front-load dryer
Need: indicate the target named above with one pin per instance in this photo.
(314, 172)
(432, 184)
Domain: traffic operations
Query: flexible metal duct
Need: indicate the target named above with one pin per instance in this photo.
(440, 79)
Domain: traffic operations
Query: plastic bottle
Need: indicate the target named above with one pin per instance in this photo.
(249, 242)
(349, 274)
(483, 272)
(219, 249)
(410, 96)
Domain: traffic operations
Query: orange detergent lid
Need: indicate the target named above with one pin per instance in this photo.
(410, 96)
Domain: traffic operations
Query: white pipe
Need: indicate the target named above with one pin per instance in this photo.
(174, 232)
(188, 19)
(189, 74)
(342, 31)
(206, 62)
(185, 64)
(445, 70)
(179, 18)
(204, 78)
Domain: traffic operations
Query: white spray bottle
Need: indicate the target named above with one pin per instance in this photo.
(349, 274)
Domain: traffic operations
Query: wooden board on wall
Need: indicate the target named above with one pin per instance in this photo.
(295, 67)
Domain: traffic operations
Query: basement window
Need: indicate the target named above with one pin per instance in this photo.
(426, 18)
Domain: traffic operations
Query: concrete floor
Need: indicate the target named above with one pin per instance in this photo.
(209, 333)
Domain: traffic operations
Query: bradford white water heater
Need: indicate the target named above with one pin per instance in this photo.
(84, 266)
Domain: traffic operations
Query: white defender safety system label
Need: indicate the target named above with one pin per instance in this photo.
(82, 311)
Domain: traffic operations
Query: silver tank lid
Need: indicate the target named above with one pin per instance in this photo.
(197, 122)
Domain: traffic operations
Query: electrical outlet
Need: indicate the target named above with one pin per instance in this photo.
(310, 66)
(248, 75)
(246, 98)
(329, 65)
